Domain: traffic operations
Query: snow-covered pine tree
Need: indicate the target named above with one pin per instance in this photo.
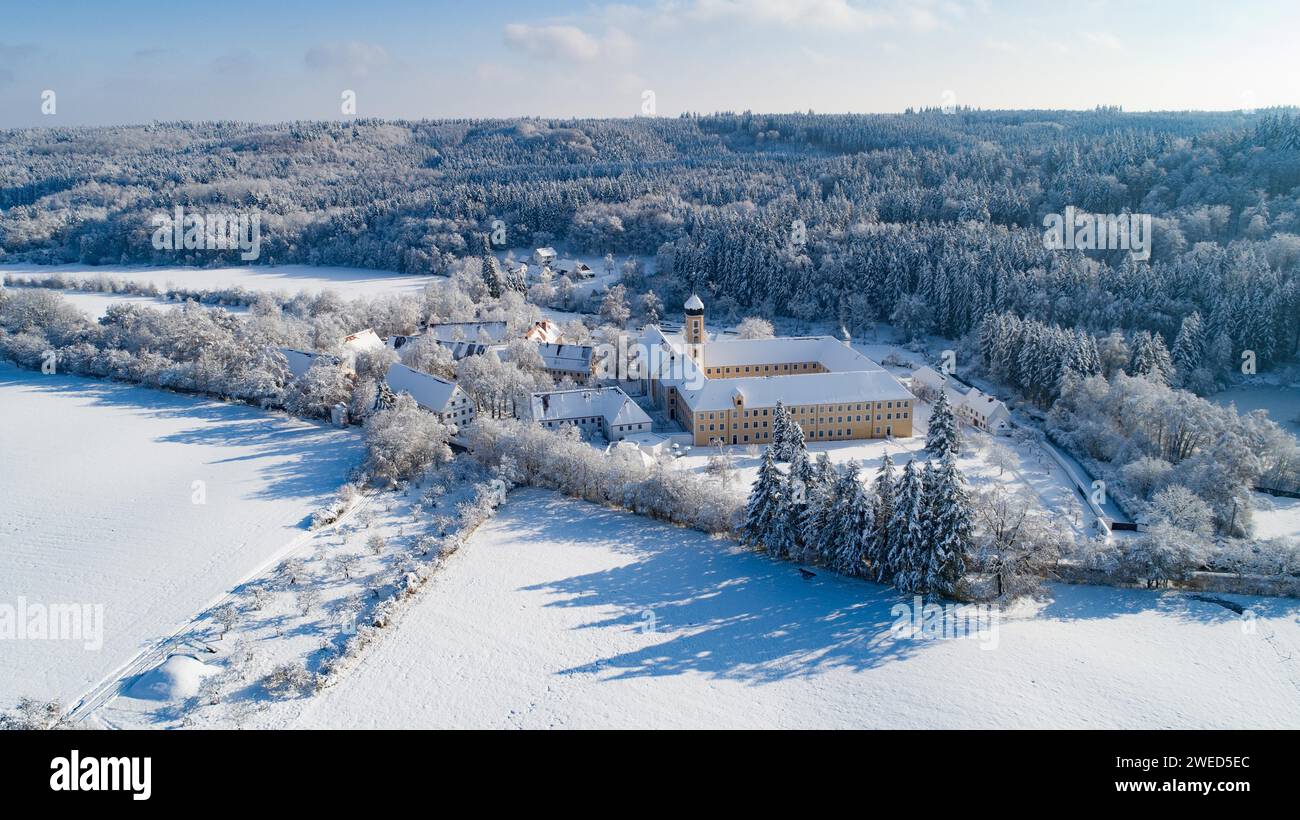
(951, 529)
(799, 479)
(852, 524)
(780, 433)
(1189, 346)
(821, 504)
(1151, 359)
(764, 503)
(384, 397)
(794, 438)
(883, 506)
(942, 436)
(491, 270)
(906, 544)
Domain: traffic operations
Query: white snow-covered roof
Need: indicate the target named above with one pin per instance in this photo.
(490, 332)
(300, 361)
(571, 358)
(609, 403)
(962, 396)
(545, 332)
(627, 449)
(694, 303)
(854, 377)
(430, 392)
(930, 377)
(832, 354)
(363, 340)
(798, 389)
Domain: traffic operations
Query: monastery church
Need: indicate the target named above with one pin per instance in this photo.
(727, 389)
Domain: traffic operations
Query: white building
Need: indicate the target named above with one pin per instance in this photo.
(544, 256)
(970, 404)
(605, 410)
(443, 398)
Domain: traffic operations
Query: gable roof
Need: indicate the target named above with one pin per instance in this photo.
(831, 353)
(495, 332)
(430, 392)
(610, 403)
(797, 389)
(300, 361)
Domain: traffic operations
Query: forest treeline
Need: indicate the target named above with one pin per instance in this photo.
(926, 219)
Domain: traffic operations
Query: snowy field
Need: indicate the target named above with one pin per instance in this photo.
(347, 282)
(1282, 403)
(559, 613)
(98, 488)
(1276, 517)
(97, 304)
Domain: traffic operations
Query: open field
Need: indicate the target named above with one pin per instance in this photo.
(348, 282)
(99, 489)
(558, 613)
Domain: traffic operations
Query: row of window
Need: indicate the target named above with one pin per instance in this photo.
(808, 410)
(761, 368)
(821, 420)
(837, 433)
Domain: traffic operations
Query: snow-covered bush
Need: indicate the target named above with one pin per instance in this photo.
(289, 680)
(325, 384)
(403, 441)
(33, 714)
(560, 460)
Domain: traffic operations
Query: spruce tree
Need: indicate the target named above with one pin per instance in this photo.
(906, 544)
(491, 270)
(883, 501)
(764, 505)
(821, 505)
(799, 480)
(852, 524)
(780, 432)
(942, 438)
(1189, 346)
(951, 530)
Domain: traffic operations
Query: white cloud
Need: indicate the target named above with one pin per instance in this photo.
(355, 57)
(827, 14)
(1103, 39)
(553, 41)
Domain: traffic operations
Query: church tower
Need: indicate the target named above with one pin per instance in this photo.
(693, 329)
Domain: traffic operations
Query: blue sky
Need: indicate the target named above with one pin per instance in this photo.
(127, 62)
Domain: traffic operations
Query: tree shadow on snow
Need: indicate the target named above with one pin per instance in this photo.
(717, 609)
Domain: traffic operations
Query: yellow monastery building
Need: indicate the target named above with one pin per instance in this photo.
(728, 389)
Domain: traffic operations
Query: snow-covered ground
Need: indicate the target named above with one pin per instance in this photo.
(1281, 402)
(1276, 517)
(97, 304)
(1032, 468)
(559, 613)
(347, 282)
(98, 488)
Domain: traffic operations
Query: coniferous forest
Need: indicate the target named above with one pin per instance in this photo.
(929, 220)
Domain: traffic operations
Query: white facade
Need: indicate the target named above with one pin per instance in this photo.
(605, 410)
(969, 404)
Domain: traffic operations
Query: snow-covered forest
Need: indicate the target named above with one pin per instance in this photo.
(932, 220)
